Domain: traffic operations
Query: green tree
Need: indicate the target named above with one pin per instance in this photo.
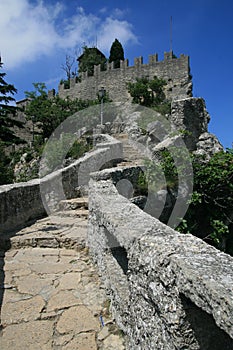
(210, 212)
(7, 112)
(7, 123)
(49, 113)
(140, 92)
(6, 171)
(156, 85)
(91, 57)
(116, 53)
(38, 108)
(150, 93)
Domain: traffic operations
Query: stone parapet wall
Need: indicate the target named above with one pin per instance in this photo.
(175, 71)
(21, 203)
(168, 290)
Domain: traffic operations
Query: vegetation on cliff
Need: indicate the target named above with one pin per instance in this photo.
(150, 93)
(7, 111)
(22, 164)
(209, 215)
(49, 113)
(7, 122)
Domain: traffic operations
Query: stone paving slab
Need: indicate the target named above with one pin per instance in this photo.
(52, 297)
(56, 231)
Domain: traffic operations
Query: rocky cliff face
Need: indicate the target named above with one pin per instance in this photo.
(190, 118)
(207, 145)
(188, 121)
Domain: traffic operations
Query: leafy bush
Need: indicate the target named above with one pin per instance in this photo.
(6, 170)
(66, 83)
(150, 93)
(56, 151)
(91, 57)
(159, 175)
(50, 113)
(210, 212)
(79, 148)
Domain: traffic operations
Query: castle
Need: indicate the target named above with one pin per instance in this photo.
(176, 72)
(168, 290)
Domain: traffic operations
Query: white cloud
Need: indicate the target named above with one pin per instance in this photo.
(103, 10)
(114, 29)
(118, 13)
(54, 81)
(30, 30)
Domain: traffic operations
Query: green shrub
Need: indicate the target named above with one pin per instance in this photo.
(210, 211)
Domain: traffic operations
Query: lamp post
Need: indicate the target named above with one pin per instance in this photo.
(33, 129)
(102, 93)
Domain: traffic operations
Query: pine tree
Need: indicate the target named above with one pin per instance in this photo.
(7, 111)
(116, 53)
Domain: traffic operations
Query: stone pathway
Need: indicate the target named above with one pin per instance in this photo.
(131, 155)
(50, 291)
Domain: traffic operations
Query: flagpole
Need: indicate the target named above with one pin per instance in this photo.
(171, 34)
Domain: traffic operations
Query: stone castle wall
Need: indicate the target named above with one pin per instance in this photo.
(168, 290)
(175, 71)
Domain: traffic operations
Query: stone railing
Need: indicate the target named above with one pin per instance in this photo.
(21, 203)
(168, 290)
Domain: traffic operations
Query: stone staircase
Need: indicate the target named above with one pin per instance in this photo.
(75, 207)
(56, 231)
(51, 296)
(131, 154)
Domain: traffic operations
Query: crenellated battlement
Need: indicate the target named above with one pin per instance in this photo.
(176, 71)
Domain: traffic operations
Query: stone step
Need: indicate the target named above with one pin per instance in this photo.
(121, 136)
(131, 156)
(130, 153)
(78, 213)
(48, 240)
(74, 204)
(126, 163)
(57, 231)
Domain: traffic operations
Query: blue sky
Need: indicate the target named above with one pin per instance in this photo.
(36, 36)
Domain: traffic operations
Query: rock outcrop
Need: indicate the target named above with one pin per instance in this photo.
(208, 145)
